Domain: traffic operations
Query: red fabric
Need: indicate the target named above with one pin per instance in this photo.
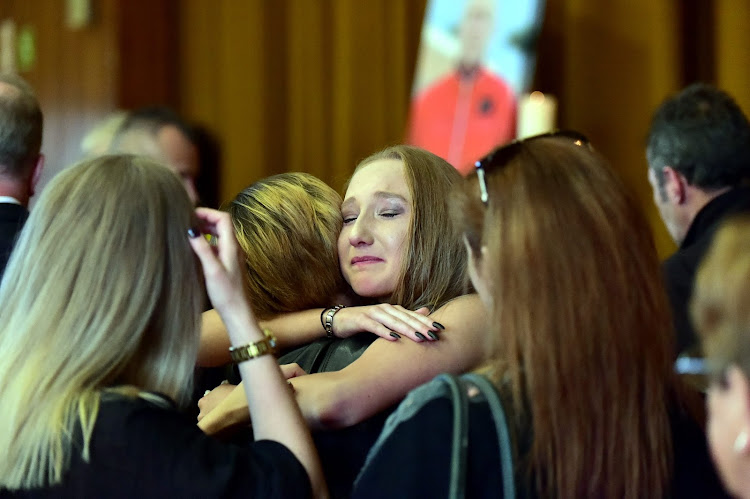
(462, 118)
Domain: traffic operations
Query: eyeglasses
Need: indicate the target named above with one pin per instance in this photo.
(502, 155)
(697, 366)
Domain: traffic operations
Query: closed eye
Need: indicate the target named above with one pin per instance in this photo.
(348, 220)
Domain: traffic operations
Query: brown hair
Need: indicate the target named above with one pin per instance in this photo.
(720, 301)
(434, 270)
(287, 226)
(579, 322)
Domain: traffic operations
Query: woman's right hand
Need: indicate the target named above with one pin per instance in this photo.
(387, 321)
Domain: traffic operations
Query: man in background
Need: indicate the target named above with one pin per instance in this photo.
(469, 112)
(159, 133)
(698, 153)
(20, 159)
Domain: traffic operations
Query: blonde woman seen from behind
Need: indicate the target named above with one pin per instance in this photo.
(100, 329)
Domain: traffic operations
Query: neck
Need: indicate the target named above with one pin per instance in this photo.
(698, 198)
(15, 190)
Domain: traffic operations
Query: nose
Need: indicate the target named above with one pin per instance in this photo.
(359, 232)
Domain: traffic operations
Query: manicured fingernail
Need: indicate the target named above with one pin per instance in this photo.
(432, 335)
(438, 325)
(420, 335)
(395, 335)
(193, 233)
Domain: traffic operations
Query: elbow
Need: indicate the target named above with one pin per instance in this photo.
(333, 409)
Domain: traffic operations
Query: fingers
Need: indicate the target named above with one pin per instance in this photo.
(292, 370)
(211, 266)
(423, 311)
(387, 319)
(219, 225)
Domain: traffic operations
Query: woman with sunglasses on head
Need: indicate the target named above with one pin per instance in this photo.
(580, 338)
(99, 331)
(721, 314)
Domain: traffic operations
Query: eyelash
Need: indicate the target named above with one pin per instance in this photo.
(388, 214)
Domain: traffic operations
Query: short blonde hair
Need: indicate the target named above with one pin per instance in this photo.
(720, 306)
(287, 226)
(102, 291)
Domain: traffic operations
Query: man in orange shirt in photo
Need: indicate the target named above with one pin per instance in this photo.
(467, 113)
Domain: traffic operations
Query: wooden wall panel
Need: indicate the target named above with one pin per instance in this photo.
(733, 49)
(301, 86)
(610, 69)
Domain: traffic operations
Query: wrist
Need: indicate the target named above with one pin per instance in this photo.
(328, 316)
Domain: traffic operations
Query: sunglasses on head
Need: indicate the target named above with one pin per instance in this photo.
(503, 154)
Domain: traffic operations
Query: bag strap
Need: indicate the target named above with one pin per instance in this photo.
(460, 442)
(501, 426)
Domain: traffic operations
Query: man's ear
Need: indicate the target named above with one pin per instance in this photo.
(675, 185)
(36, 173)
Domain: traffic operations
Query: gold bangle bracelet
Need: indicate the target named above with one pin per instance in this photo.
(254, 349)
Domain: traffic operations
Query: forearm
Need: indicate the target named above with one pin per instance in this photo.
(387, 371)
(273, 411)
(291, 330)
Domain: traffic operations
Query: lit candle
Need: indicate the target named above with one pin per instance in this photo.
(536, 114)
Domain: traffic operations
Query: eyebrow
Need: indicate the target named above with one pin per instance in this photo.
(379, 195)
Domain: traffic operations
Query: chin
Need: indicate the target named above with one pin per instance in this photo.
(370, 289)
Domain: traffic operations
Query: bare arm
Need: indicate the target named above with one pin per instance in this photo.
(386, 372)
(381, 376)
(273, 411)
(299, 328)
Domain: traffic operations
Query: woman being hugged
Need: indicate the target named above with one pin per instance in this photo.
(581, 338)
(100, 330)
(398, 251)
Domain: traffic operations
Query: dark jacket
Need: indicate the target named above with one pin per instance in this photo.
(680, 268)
(142, 449)
(12, 218)
(412, 457)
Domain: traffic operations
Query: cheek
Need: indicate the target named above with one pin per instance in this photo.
(719, 434)
(342, 246)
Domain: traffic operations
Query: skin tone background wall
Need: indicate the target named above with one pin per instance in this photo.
(316, 86)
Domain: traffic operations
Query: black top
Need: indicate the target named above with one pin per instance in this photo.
(412, 456)
(679, 269)
(140, 449)
(12, 218)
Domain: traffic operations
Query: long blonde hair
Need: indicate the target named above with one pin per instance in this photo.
(287, 226)
(579, 320)
(101, 291)
(434, 270)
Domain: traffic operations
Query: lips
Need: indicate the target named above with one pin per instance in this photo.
(365, 259)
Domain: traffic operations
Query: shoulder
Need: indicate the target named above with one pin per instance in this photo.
(694, 472)
(144, 445)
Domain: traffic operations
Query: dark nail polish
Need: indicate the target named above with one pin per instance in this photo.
(432, 335)
(395, 335)
(193, 233)
(420, 335)
(438, 325)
